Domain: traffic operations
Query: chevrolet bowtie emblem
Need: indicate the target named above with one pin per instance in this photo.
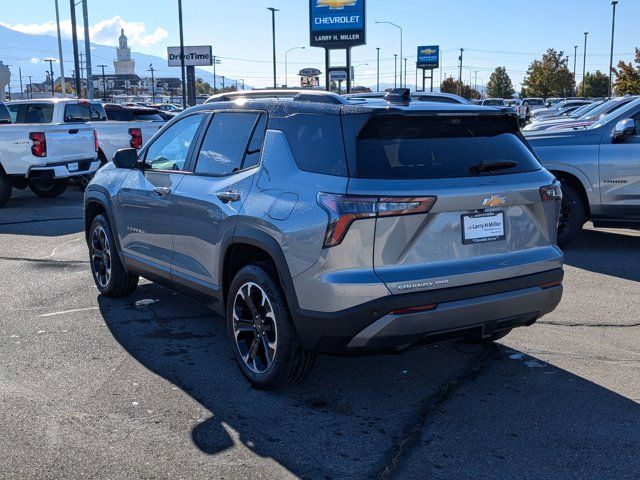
(336, 4)
(494, 201)
(427, 51)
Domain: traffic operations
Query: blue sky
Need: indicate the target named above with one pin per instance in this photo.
(493, 32)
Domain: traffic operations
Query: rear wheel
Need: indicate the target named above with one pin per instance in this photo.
(108, 272)
(572, 215)
(262, 334)
(5, 188)
(49, 188)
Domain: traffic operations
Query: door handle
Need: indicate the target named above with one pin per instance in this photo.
(162, 191)
(228, 197)
(73, 131)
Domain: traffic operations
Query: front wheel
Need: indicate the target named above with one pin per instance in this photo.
(108, 272)
(572, 215)
(262, 334)
(49, 188)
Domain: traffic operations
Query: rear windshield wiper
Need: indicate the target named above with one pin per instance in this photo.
(491, 167)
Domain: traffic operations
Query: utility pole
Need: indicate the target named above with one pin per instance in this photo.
(51, 60)
(395, 70)
(460, 58)
(215, 80)
(74, 40)
(153, 83)
(87, 49)
(104, 83)
(584, 63)
(184, 82)
(575, 62)
(613, 35)
(30, 77)
(81, 67)
(273, 31)
(378, 70)
(224, 85)
(405, 72)
(476, 81)
(63, 81)
(21, 90)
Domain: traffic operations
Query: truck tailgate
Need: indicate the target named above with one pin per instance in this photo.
(69, 142)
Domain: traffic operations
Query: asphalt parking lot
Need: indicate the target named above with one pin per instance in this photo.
(146, 387)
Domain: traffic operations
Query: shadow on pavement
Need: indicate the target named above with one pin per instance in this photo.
(28, 214)
(350, 415)
(609, 247)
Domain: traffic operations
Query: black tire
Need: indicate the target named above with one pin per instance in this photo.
(5, 188)
(493, 338)
(289, 363)
(49, 188)
(108, 272)
(573, 215)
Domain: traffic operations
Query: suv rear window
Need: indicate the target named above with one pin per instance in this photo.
(316, 142)
(84, 112)
(409, 147)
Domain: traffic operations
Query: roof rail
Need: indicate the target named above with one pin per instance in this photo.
(296, 95)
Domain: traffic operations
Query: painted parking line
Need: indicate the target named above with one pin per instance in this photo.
(52, 314)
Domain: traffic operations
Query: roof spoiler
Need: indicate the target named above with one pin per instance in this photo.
(297, 95)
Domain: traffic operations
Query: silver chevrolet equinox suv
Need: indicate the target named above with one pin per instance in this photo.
(317, 226)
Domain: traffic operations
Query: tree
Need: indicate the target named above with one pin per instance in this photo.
(549, 77)
(449, 85)
(500, 85)
(595, 85)
(203, 87)
(628, 77)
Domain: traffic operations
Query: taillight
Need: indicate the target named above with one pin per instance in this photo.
(39, 146)
(136, 138)
(343, 210)
(96, 143)
(410, 310)
(551, 193)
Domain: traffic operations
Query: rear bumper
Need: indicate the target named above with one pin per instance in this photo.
(63, 170)
(473, 311)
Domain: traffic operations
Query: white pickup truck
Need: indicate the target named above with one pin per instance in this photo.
(42, 152)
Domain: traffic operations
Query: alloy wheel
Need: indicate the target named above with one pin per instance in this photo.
(254, 327)
(101, 256)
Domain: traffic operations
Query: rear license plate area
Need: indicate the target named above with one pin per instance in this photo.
(483, 228)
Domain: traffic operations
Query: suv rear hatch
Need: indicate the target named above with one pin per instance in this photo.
(470, 203)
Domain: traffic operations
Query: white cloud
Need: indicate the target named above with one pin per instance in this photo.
(36, 60)
(105, 32)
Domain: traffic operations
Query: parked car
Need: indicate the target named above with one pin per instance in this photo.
(556, 108)
(585, 120)
(434, 97)
(167, 107)
(42, 152)
(599, 167)
(5, 116)
(492, 102)
(333, 227)
(526, 108)
(546, 123)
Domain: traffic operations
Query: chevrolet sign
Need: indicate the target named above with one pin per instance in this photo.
(337, 23)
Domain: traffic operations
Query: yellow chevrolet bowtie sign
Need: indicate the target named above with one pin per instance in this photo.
(336, 4)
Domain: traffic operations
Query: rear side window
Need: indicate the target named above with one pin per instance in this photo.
(225, 143)
(316, 142)
(31, 112)
(118, 114)
(146, 115)
(406, 147)
(83, 112)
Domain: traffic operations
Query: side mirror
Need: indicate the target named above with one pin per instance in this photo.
(624, 129)
(126, 158)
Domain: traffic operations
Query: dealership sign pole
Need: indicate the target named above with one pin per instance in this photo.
(428, 60)
(337, 25)
(190, 57)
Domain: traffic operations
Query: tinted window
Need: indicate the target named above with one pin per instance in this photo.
(31, 113)
(225, 143)
(83, 112)
(316, 142)
(169, 151)
(493, 103)
(118, 114)
(5, 117)
(153, 117)
(436, 99)
(398, 147)
(533, 101)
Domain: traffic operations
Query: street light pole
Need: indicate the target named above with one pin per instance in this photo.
(613, 34)
(184, 81)
(153, 83)
(405, 72)
(575, 62)
(286, 65)
(401, 40)
(378, 71)
(273, 32)
(584, 63)
(395, 70)
(74, 40)
(104, 83)
(87, 49)
(63, 81)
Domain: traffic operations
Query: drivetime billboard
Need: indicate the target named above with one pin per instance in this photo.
(337, 23)
(429, 57)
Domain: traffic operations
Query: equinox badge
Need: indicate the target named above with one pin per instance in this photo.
(494, 201)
